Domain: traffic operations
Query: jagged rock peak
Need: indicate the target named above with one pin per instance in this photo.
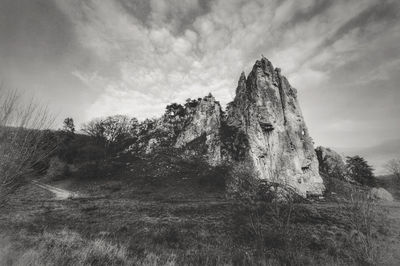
(242, 77)
(266, 109)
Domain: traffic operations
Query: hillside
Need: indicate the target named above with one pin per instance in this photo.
(161, 209)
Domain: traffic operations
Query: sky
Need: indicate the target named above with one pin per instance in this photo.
(87, 59)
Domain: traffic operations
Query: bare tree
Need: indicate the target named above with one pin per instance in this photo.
(22, 140)
(111, 130)
(95, 129)
(393, 167)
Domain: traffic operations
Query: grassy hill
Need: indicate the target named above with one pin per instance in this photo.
(164, 210)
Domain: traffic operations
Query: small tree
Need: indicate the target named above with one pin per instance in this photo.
(393, 167)
(359, 170)
(68, 125)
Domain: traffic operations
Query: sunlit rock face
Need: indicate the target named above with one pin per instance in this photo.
(266, 110)
(206, 121)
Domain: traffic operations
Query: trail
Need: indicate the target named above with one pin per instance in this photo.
(61, 194)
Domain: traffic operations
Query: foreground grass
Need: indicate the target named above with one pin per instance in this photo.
(64, 248)
(190, 234)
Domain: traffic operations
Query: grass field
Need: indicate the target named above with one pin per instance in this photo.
(161, 211)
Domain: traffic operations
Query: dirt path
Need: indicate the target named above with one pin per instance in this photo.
(61, 194)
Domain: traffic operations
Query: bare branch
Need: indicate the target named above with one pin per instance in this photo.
(22, 139)
(393, 167)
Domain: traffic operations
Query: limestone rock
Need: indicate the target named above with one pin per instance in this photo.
(264, 126)
(206, 121)
(330, 162)
(266, 110)
(380, 194)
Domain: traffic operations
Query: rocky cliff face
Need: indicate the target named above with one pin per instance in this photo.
(206, 121)
(267, 111)
(330, 162)
(265, 125)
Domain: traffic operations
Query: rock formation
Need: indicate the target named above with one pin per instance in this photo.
(263, 124)
(206, 121)
(330, 162)
(266, 110)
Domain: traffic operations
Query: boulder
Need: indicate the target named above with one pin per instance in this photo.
(380, 194)
(332, 163)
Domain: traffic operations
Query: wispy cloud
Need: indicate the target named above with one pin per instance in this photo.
(136, 56)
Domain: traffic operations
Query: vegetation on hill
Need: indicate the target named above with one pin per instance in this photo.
(162, 209)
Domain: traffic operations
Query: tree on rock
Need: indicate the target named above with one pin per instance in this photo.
(359, 170)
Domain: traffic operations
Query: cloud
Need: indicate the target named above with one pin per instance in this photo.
(162, 52)
(98, 58)
(384, 11)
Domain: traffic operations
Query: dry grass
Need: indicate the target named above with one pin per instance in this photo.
(365, 219)
(66, 248)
